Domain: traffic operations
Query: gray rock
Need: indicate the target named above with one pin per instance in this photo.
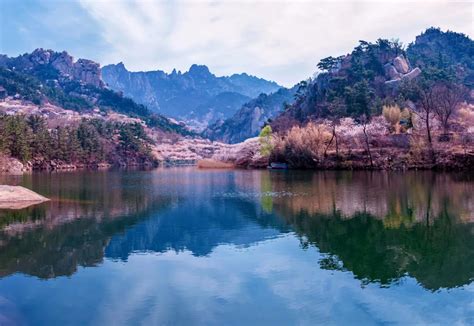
(16, 197)
(412, 74)
(63, 63)
(88, 72)
(84, 71)
(401, 64)
(391, 72)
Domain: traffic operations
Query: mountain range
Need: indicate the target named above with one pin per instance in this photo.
(196, 96)
(49, 76)
(233, 108)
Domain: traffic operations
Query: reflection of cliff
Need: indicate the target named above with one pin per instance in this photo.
(198, 226)
(419, 226)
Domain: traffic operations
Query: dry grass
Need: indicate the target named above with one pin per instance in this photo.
(392, 115)
(301, 146)
(212, 164)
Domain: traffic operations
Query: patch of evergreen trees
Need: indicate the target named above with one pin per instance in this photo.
(90, 141)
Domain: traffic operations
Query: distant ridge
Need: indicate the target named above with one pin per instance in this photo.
(190, 96)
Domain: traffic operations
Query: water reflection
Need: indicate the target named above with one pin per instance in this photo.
(378, 226)
(383, 226)
(97, 215)
(86, 210)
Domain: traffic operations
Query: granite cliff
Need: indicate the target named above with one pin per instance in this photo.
(48, 63)
(196, 96)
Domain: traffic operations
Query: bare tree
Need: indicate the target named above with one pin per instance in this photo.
(334, 123)
(447, 99)
(426, 109)
(365, 120)
(336, 110)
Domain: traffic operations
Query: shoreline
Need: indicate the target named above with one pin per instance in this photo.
(383, 159)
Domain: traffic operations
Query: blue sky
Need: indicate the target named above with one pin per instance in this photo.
(278, 40)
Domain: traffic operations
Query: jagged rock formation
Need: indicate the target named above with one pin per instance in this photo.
(399, 70)
(48, 77)
(48, 101)
(196, 95)
(371, 71)
(249, 120)
(37, 62)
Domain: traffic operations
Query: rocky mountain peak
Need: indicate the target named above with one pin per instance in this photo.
(199, 70)
(120, 66)
(82, 70)
(89, 72)
(196, 96)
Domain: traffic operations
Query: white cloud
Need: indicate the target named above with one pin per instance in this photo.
(279, 40)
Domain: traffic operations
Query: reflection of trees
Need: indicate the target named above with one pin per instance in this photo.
(401, 198)
(266, 189)
(48, 252)
(422, 229)
(79, 195)
(72, 230)
(112, 215)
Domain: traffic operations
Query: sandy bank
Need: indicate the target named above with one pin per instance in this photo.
(212, 164)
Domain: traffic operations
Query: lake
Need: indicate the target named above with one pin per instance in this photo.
(183, 246)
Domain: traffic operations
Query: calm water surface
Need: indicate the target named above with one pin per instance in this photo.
(183, 246)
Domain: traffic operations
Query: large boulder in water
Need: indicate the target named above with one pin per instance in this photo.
(16, 197)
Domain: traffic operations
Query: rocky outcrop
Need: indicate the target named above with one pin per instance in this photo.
(391, 72)
(401, 64)
(398, 70)
(408, 76)
(9, 165)
(88, 72)
(63, 63)
(84, 71)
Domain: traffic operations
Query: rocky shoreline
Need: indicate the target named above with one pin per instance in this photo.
(9, 165)
(248, 157)
(389, 160)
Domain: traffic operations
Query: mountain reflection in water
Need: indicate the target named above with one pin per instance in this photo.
(379, 226)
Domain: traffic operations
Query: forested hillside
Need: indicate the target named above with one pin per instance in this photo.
(251, 117)
(55, 112)
(385, 106)
(48, 76)
(382, 72)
